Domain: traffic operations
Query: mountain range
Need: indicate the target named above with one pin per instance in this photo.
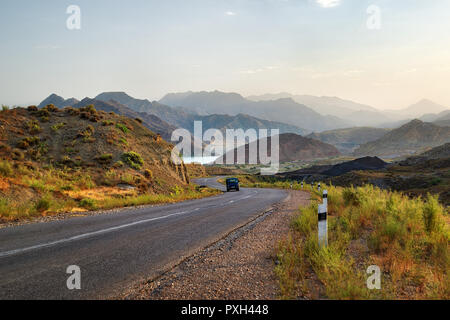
(164, 119)
(347, 140)
(410, 138)
(284, 110)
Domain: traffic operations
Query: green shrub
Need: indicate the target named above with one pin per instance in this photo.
(118, 164)
(89, 109)
(122, 127)
(351, 197)
(43, 205)
(16, 154)
(28, 142)
(43, 113)
(88, 204)
(87, 133)
(133, 159)
(431, 212)
(148, 174)
(104, 158)
(6, 169)
(51, 108)
(58, 126)
(107, 123)
(33, 127)
(123, 141)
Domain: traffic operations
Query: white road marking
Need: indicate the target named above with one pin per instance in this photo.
(102, 231)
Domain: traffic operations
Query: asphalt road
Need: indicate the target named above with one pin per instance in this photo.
(118, 249)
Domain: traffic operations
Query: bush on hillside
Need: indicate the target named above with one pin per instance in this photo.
(133, 159)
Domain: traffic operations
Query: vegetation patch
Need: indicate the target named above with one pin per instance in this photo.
(133, 159)
(122, 127)
(407, 238)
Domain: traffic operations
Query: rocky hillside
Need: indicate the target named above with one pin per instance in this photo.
(410, 138)
(347, 140)
(151, 121)
(67, 155)
(292, 148)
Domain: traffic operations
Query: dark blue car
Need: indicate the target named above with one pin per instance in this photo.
(232, 184)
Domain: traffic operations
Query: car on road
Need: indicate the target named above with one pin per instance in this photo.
(232, 183)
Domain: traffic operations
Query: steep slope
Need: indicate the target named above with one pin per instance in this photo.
(408, 139)
(347, 140)
(77, 137)
(174, 116)
(70, 160)
(152, 122)
(292, 147)
(282, 110)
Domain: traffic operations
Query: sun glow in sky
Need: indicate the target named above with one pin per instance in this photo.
(149, 48)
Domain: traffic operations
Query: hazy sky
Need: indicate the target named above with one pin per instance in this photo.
(149, 48)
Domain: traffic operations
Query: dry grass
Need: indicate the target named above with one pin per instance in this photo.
(407, 238)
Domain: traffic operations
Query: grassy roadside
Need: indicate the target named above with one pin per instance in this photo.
(27, 193)
(408, 238)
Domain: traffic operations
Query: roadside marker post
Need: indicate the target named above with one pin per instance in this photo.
(318, 187)
(302, 184)
(323, 224)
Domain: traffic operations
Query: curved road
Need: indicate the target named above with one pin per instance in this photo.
(118, 249)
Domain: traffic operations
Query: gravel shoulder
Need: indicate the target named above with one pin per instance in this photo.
(240, 266)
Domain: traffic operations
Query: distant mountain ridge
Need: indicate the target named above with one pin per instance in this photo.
(408, 139)
(292, 148)
(57, 101)
(284, 110)
(348, 139)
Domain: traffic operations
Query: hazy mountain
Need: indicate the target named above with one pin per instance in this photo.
(408, 139)
(57, 101)
(282, 110)
(347, 140)
(205, 103)
(424, 106)
(430, 117)
(182, 119)
(420, 109)
(243, 121)
(292, 148)
(323, 105)
(443, 120)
